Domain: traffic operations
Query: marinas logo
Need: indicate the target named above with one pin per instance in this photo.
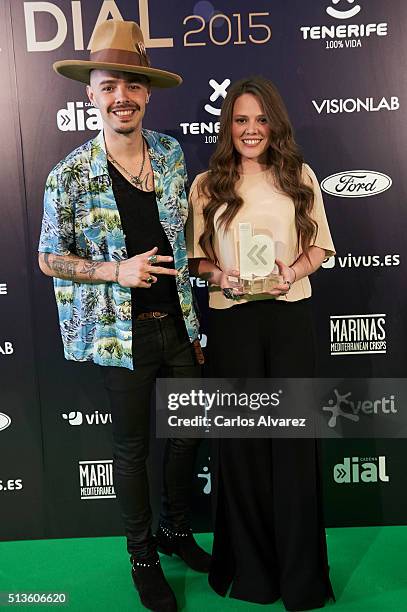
(96, 479)
(342, 33)
(78, 117)
(361, 470)
(356, 183)
(336, 106)
(5, 421)
(209, 129)
(363, 334)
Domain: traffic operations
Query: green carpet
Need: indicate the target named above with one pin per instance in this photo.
(367, 566)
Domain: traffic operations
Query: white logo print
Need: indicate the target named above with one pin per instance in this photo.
(206, 475)
(356, 183)
(74, 418)
(5, 421)
(219, 90)
(336, 408)
(354, 408)
(343, 14)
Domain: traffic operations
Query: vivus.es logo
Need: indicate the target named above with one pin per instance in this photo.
(356, 183)
(342, 34)
(95, 418)
(358, 334)
(361, 470)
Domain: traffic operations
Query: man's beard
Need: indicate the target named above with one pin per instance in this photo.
(125, 130)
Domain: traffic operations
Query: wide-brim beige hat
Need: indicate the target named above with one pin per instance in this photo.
(117, 46)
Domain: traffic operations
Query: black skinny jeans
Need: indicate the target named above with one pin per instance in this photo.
(161, 347)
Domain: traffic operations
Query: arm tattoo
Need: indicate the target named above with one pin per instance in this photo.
(68, 269)
(90, 267)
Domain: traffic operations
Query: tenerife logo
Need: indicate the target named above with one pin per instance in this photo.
(351, 409)
(356, 183)
(209, 129)
(343, 34)
(95, 418)
(79, 116)
(361, 470)
(343, 14)
(219, 91)
(5, 421)
(96, 479)
(358, 334)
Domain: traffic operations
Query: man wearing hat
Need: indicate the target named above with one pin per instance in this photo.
(113, 239)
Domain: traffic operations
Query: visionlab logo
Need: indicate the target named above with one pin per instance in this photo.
(342, 34)
(209, 129)
(356, 470)
(344, 407)
(6, 349)
(5, 421)
(77, 418)
(96, 479)
(78, 117)
(356, 183)
(363, 334)
(336, 106)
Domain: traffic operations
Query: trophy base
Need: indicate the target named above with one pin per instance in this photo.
(260, 284)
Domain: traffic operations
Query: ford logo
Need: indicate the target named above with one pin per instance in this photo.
(5, 421)
(356, 183)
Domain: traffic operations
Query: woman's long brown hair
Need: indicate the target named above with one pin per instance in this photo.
(282, 156)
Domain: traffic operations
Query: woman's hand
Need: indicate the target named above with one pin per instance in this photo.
(288, 278)
(230, 284)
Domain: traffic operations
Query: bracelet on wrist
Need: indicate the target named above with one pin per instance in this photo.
(116, 274)
(295, 274)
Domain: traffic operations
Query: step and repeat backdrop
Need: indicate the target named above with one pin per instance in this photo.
(340, 66)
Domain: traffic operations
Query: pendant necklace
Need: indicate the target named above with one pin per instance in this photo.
(135, 180)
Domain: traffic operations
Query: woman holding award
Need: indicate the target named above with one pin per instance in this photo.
(256, 232)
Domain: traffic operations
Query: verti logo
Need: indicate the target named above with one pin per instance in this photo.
(343, 13)
(5, 421)
(352, 409)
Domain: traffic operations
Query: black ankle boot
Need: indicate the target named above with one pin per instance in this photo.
(154, 590)
(183, 544)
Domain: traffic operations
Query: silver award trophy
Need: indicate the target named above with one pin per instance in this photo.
(257, 255)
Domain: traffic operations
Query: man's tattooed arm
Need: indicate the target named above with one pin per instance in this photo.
(73, 268)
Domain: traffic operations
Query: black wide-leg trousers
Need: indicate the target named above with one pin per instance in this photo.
(161, 347)
(269, 532)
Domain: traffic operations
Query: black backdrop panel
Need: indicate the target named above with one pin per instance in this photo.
(342, 76)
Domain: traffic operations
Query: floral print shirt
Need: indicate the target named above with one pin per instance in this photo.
(81, 217)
